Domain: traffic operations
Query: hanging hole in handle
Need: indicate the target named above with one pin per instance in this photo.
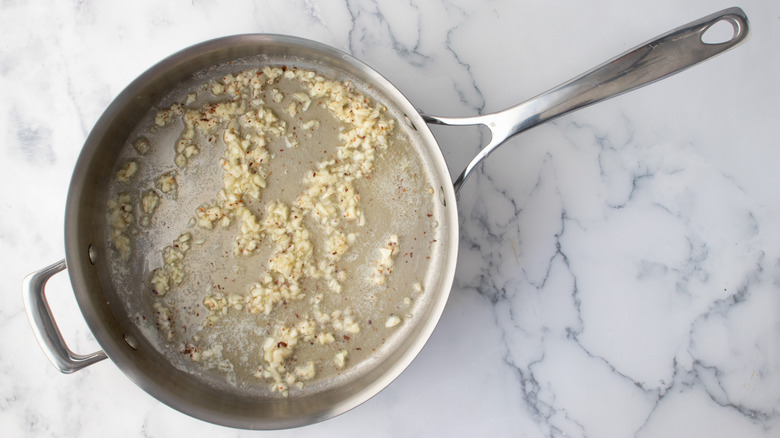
(720, 32)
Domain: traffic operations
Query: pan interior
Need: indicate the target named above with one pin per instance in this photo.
(153, 337)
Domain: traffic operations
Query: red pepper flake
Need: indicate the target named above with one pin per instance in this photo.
(346, 338)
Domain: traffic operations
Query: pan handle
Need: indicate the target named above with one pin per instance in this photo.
(44, 326)
(664, 56)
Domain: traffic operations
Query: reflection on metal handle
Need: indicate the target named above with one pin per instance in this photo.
(664, 56)
(45, 327)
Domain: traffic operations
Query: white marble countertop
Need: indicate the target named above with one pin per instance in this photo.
(619, 268)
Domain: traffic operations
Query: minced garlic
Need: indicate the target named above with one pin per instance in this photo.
(126, 173)
(172, 270)
(120, 219)
(167, 184)
(208, 215)
(325, 338)
(278, 97)
(164, 320)
(164, 117)
(277, 348)
(305, 372)
(149, 202)
(344, 322)
(328, 201)
(311, 125)
(392, 321)
(340, 359)
(384, 265)
(141, 145)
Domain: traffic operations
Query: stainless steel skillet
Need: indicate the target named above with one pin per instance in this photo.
(102, 304)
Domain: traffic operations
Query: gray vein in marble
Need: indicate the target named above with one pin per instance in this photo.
(573, 333)
(709, 377)
(33, 141)
(640, 385)
(485, 284)
(312, 9)
(411, 55)
(479, 104)
(368, 20)
(663, 391)
(487, 287)
(364, 17)
(693, 266)
(75, 101)
(494, 235)
(540, 409)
